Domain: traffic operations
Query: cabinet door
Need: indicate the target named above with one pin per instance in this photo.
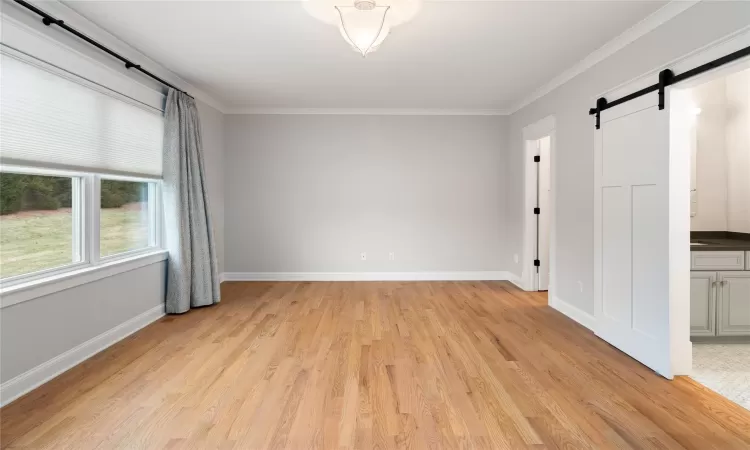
(734, 304)
(703, 303)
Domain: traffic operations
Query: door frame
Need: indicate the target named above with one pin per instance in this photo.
(679, 184)
(531, 133)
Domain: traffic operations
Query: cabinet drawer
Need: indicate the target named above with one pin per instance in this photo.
(717, 260)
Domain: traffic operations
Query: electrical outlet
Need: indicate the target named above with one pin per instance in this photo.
(363, 256)
(515, 258)
(391, 256)
(580, 285)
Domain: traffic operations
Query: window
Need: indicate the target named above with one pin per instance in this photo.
(80, 173)
(47, 225)
(38, 221)
(126, 219)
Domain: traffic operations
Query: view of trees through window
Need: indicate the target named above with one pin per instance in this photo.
(36, 221)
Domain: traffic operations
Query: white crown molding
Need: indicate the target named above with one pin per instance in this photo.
(367, 111)
(640, 29)
(30, 380)
(89, 28)
(366, 276)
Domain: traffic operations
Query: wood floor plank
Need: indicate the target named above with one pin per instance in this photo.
(389, 365)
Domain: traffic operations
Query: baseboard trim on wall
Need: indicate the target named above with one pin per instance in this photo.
(575, 313)
(30, 380)
(516, 280)
(366, 276)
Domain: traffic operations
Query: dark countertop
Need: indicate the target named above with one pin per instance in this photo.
(719, 241)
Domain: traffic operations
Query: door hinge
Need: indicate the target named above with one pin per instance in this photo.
(537, 210)
(537, 263)
(537, 158)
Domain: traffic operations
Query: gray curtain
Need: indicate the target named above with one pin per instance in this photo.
(192, 273)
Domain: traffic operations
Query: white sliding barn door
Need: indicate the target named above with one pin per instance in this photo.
(631, 231)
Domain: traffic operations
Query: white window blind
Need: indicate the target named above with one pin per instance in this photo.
(51, 120)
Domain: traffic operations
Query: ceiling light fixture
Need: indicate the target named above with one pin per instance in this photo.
(364, 24)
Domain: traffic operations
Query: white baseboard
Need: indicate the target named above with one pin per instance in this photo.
(27, 381)
(516, 280)
(575, 313)
(366, 276)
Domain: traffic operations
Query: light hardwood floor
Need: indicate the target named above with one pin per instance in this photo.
(444, 365)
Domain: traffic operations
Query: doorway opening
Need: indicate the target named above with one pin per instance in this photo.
(542, 213)
(538, 265)
(712, 114)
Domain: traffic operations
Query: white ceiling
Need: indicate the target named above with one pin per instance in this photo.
(455, 55)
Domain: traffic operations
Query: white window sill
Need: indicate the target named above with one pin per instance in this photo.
(22, 292)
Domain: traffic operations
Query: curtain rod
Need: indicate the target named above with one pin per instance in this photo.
(49, 20)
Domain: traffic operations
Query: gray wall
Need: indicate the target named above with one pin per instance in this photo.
(696, 27)
(212, 132)
(308, 193)
(38, 330)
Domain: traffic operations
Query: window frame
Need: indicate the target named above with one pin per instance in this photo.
(86, 210)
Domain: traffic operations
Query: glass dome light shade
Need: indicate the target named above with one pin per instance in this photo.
(364, 29)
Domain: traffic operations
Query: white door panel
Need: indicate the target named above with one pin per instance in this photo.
(631, 231)
(615, 245)
(649, 251)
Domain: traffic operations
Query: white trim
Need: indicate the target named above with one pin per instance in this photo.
(22, 292)
(645, 26)
(575, 313)
(367, 276)
(367, 111)
(27, 381)
(516, 281)
(537, 130)
(222, 277)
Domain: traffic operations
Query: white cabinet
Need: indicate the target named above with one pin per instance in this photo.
(710, 260)
(733, 307)
(703, 291)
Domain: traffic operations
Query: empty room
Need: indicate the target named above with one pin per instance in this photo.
(361, 224)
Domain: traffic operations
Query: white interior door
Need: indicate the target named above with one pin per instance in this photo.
(544, 216)
(631, 231)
